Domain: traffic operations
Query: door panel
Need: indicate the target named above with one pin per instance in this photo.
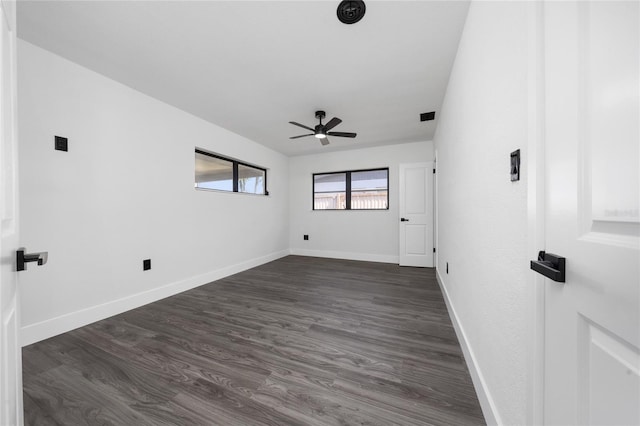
(608, 372)
(414, 190)
(415, 241)
(592, 322)
(416, 213)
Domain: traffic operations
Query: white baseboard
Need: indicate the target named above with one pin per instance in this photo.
(52, 327)
(367, 257)
(489, 409)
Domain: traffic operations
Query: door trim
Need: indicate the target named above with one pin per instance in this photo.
(535, 212)
(427, 260)
(435, 209)
(10, 349)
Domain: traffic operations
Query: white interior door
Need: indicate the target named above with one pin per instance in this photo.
(10, 351)
(592, 321)
(416, 214)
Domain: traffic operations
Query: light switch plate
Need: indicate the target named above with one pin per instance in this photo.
(515, 165)
(61, 144)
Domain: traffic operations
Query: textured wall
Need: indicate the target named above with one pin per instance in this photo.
(481, 213)
(362, 235)
(125, 192)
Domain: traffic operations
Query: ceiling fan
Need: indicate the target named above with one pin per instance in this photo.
(321, 131)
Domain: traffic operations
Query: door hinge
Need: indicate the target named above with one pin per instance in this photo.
(434, 249)
(434, 170)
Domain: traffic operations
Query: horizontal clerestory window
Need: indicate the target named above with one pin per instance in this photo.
(218, 173)
(351, 190)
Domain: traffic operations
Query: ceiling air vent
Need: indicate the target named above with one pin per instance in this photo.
(351, 11)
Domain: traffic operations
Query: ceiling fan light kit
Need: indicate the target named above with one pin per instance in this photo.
(321, 131)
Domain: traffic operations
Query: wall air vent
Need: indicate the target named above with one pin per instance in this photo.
(427, 116)
(351, 11)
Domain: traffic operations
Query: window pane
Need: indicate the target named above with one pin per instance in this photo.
(330, 182)
(370, 179)
(369, 189)
(330, 191)
(213, 173)
(250, 180)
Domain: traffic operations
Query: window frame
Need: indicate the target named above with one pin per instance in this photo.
(235, 177)
(347, 174)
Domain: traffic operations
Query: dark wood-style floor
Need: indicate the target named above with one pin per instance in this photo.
(298, 341)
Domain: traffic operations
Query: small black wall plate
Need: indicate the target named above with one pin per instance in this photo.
(61, 144)
(515, 165)
(305, 237)
(146, 264)
(428, 116)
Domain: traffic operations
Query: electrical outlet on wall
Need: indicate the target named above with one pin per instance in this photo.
(305, 237)
(146, 264)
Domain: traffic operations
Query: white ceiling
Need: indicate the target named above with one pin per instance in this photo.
(251, 67)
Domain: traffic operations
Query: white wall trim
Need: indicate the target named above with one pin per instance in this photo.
(331, 254)
(64, 323)
(489, 409)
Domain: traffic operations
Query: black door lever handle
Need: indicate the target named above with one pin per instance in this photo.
(402, 219)
(23, 258)
(550, 265)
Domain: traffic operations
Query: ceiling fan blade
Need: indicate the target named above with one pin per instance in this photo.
(301, 125)
(324, 141)
(343, 134)
(301, 136)
(332, 123)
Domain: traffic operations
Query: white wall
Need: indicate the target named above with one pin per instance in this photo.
(482, 214)
(123, 193)
(358, 235)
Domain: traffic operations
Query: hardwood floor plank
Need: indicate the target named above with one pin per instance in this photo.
(34, 415)
(381, 349)
(100, 368)
(70, 399)
(297, 341)
(418, 401)
(227, 408)
(318, 403)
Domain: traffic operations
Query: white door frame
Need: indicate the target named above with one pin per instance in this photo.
(422, 260)
(535, 211)
(10, 348)
(435, 208)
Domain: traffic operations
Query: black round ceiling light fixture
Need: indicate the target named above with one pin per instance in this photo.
(351, 11)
